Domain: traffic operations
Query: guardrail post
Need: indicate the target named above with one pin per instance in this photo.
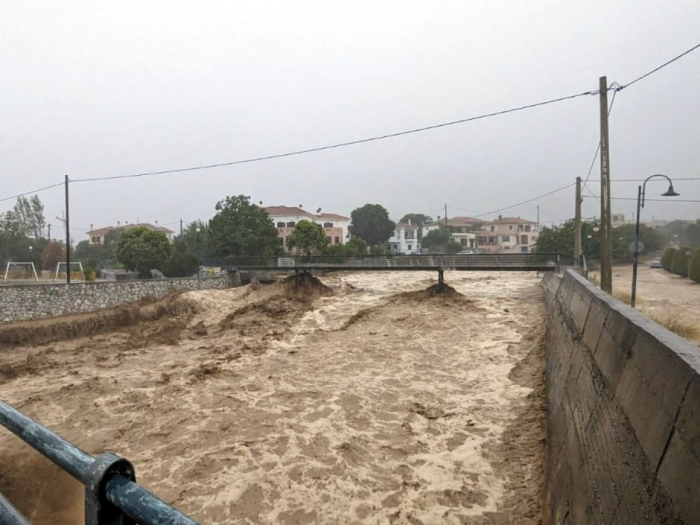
(98, 510)
(441, 280)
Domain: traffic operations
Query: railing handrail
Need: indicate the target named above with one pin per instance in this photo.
(108, 479)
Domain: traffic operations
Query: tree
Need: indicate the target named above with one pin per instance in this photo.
(98, 255)
(52, 254)
(240, 228)
(28, 213)
(679, 265)
(196, 241)
(356, 246)
(624, 235)
(436, 239)
(418, 220)
(693, 234)
(667, 258)
(181, 263)
(371, 222)
(143, 250)
(307, 237)
(694, 267)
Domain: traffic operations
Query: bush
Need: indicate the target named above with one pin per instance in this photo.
(667, 258)
(694, 267)
(679, 265)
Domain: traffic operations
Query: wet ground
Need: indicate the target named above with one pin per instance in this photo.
(365, 399)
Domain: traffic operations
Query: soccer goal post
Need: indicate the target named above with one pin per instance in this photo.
(74, 266)
(25, 271)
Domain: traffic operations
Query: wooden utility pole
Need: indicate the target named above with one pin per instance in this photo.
(577, 223)
(538, 217)
(605, 218)
(445, 214)
(180, 229)
(67, 223)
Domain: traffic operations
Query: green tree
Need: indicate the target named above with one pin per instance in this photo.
(436, 240)
(667, 258)
(624, 235)
(181, 263)
(28, 214)
(680, 262)
(694, 267)
(693, 234)
(371, 222)
(196, 241)
(143, 250)
(453, 247)
(418, 220)
(356, 246)
(307, 237)
(240, 228)
(560, 239)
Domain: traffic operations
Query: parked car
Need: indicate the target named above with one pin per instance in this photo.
(470, 252)
(656, 262)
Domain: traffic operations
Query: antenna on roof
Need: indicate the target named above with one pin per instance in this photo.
(260, 203)
(318, 211)
(301, 206)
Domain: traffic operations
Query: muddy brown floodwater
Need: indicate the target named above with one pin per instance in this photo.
(365, 399)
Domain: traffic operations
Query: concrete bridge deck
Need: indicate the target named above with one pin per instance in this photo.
(511, 262)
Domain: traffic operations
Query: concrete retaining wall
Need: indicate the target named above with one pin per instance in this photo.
(36, 301)
(623, 436)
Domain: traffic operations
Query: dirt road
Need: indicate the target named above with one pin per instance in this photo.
(363, 400)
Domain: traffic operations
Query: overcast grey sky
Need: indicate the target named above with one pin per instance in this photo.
(97, 88)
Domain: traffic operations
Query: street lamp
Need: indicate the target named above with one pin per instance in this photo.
(641, 193)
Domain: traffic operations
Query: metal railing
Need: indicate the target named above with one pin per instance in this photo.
(112, 496)
(489, 262)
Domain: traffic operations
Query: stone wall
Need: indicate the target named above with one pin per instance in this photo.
(623, 413)
(36, 301)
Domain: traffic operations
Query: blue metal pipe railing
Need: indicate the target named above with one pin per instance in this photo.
(112, 495)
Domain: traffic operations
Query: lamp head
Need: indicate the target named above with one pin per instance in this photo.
(670, 192)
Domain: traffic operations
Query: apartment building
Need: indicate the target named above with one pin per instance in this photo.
(97, 236)
(508, 235)
(285, 218)
(463, 230)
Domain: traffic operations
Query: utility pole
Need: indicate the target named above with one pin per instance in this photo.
(67, 235)
(605, 219)
(49, 226)
(577, 223)
(538, 217)
(181, 229)
(445, 214)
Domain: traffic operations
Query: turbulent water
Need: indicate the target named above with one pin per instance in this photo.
(354, 402)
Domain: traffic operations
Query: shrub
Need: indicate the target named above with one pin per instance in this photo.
(667, 258)
(694, 267)
(679, 265)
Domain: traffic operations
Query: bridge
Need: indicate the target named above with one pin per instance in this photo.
(508, 262)
(511, 262)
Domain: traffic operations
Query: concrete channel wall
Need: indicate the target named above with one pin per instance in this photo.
(37, 301)
(623, 413)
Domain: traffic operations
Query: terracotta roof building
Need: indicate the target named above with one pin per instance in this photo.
(97, 236)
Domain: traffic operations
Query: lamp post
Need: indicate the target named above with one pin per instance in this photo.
(198, 230)
(670, 192)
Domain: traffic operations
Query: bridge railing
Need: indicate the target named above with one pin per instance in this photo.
(428, 261)
(112, 496)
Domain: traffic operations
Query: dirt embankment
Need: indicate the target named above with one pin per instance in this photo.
(364, 398)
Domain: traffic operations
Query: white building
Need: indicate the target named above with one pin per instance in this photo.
(404, 240)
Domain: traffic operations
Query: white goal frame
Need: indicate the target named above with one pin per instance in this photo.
(58, 267)
(12, 263)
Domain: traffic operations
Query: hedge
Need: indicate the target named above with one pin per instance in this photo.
(667, 258)
(679, 265)
(694, 267)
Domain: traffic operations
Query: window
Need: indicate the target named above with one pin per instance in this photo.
(520, 227)
(505, 238)
(523, 240)
(410, 247)
(527, 227)
(510, 226)
(280, 224)
(327, 224)
(409, 234)
(291, 224)
(337, 240)
(328, 240)
(94, 239)
(463, 242)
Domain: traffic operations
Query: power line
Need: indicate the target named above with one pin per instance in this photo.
(30, 192)
(642, 180)
(652, 200)
(526, 201)
(645, 75)
(343, 144)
